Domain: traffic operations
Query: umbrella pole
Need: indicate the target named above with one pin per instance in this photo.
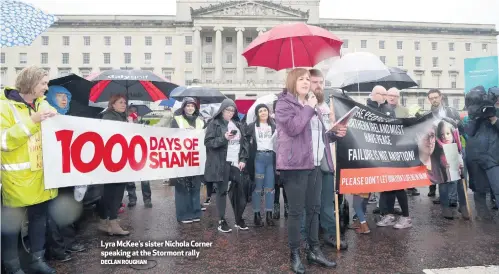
(335, 186)
(292, 53)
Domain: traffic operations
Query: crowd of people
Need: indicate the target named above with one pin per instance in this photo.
(285, 150)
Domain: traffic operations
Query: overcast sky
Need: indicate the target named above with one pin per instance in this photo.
(452, 11)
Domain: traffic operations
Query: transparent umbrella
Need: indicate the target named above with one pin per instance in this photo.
(356, 67)
(266, 99)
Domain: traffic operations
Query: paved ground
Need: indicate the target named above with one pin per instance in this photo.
(432, 243)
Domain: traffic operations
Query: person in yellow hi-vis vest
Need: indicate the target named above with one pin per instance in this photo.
(22, 109)
(187, 189)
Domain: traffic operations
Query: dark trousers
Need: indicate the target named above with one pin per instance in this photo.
(146, 191)
(187, 198)
(61, 235)
(277, 191)
(387, 203)
(12, 219)
(222, 191)
(303, 189)
(110, 202)
(209, 189)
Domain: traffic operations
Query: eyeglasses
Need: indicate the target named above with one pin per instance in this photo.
(229, 110)
(433, 98)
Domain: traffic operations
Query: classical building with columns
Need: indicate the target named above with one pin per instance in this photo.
(203, 42)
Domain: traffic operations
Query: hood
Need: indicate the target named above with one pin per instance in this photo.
(12, 94)
(225, 104)
(288, 97)
(189, 100)
(51, 94)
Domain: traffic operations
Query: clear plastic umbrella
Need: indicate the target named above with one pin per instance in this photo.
(352, 68)
(266, 99)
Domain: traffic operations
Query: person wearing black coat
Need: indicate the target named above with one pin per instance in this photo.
(378, 103)
(227, 152)
(113, 193)
(261, 165)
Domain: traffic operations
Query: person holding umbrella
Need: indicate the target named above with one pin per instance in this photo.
(227, 152)
(187, 189)
(296, 106)
(113, 193)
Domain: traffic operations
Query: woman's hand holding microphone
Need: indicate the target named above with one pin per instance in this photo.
(311, 100)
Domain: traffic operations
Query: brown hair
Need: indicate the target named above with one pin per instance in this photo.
(316, 73)
(434, 91)
(29, 78)
(113, 100)
(293, 77)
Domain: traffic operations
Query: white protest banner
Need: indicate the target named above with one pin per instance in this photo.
(82, 151)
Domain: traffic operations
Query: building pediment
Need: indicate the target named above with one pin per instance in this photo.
(249, 9)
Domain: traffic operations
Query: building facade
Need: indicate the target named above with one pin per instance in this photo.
(203, 43)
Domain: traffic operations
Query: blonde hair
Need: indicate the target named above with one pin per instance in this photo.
(29, 78)
(293, 78)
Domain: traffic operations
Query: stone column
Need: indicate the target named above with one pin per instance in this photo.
(196, 54)
(218, 54)
(261, 70)
(240, 59)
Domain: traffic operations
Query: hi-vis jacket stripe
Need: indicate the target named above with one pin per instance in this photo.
(17, 119)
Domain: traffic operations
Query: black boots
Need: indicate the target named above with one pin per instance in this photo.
(38, 264)
(286, 210)
(258, 219)
(296, 265)
(277, 211)
(268, 219)
(315, 256)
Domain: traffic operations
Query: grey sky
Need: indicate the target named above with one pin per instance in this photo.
(452, 11)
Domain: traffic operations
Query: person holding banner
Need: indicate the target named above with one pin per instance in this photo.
(227, 152)
(61, 234)
(295, 108)
(187, 189)
(23, 190)
(113, 193)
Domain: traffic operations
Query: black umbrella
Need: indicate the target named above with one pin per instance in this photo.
(78, 87)
(139, 85)
(83, 110)
(142, 110)
(398, 78)
(204, 95)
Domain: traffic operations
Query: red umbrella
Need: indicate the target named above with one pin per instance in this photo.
(141, 85)
(310, 45)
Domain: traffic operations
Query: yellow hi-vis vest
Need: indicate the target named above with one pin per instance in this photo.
(20, 145)
(183, 123)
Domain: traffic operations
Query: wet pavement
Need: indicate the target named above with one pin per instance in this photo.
(431, 243)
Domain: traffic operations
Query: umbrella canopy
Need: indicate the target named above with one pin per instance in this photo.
(168, 103)
(142, 110)
(139, 85)
(292, 45)
(21, 23)
(243, 105)
(398, 78)
(204, 95)
(353, 67)
(267, 100)
(79, 109)
(78, 87)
